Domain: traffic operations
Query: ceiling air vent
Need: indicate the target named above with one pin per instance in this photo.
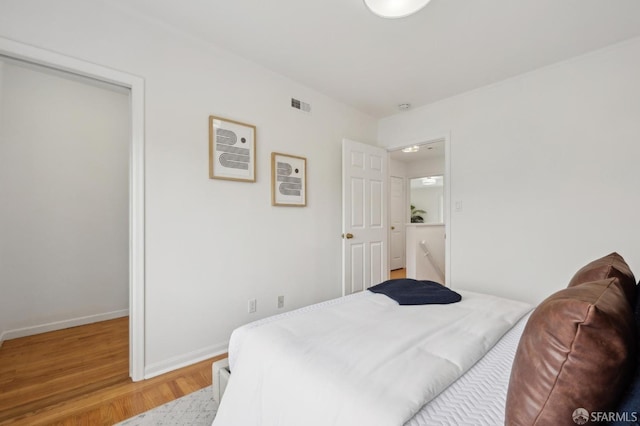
(302, 106)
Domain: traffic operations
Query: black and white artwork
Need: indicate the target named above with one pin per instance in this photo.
(232, 149)
(288, 180)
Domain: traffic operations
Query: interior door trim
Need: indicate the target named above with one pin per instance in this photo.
(135, 84)
(446, 138)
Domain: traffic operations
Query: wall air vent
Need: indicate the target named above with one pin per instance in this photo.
(302, 106)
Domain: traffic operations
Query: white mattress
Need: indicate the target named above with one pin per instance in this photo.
(478, 397)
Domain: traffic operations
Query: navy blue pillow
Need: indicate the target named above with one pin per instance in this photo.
(407, 291)
(630, 402)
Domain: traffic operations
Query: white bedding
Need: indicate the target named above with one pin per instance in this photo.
(361, 359)
(479, 396)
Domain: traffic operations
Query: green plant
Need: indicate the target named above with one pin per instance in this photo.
(416, 214)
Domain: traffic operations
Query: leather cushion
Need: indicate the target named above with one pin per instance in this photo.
(630, 401)
(574, 353)
(612, 265)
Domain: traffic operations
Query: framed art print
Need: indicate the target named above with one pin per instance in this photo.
(232, 150)
(288, 180)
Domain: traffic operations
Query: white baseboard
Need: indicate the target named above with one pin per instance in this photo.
(158, 368)
(59, 325)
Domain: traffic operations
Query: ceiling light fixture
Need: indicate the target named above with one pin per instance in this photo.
(395, 8)
(414, 148)
(429, 181)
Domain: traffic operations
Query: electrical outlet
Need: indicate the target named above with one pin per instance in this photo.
(253, 305)
(280, 302)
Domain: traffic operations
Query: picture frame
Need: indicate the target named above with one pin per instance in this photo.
(288, 180)
(232, 150)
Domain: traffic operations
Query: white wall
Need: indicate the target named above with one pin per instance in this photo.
(428, 167)
(397, 168)
(64, 156)
(211, 245)
(545, 166)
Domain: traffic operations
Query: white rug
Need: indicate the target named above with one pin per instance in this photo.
(196, 409)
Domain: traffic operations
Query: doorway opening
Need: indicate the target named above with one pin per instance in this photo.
(419, 210)
(135, 136)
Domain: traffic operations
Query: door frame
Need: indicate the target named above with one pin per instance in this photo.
(135, 84)
(404, 217)
(446, 138)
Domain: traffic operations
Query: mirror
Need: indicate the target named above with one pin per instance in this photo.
(427, 199)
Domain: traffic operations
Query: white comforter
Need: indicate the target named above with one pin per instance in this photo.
(362, 360)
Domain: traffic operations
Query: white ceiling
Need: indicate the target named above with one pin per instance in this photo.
(426, 152)
(419, 183)
(341, 49)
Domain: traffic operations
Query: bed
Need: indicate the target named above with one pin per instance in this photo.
(363, 359)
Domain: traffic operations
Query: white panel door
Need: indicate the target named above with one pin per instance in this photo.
(365, 260)
(397, 217)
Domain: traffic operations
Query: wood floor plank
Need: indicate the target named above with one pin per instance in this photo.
(79, 376)
(398, 273)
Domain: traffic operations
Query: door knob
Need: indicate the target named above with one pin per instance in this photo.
(393, 227)
(348, 236)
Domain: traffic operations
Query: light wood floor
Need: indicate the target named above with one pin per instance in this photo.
(398, 273)
(79, 376)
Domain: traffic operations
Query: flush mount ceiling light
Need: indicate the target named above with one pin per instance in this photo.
(414, 148)
(395, 8)
(429, 181)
